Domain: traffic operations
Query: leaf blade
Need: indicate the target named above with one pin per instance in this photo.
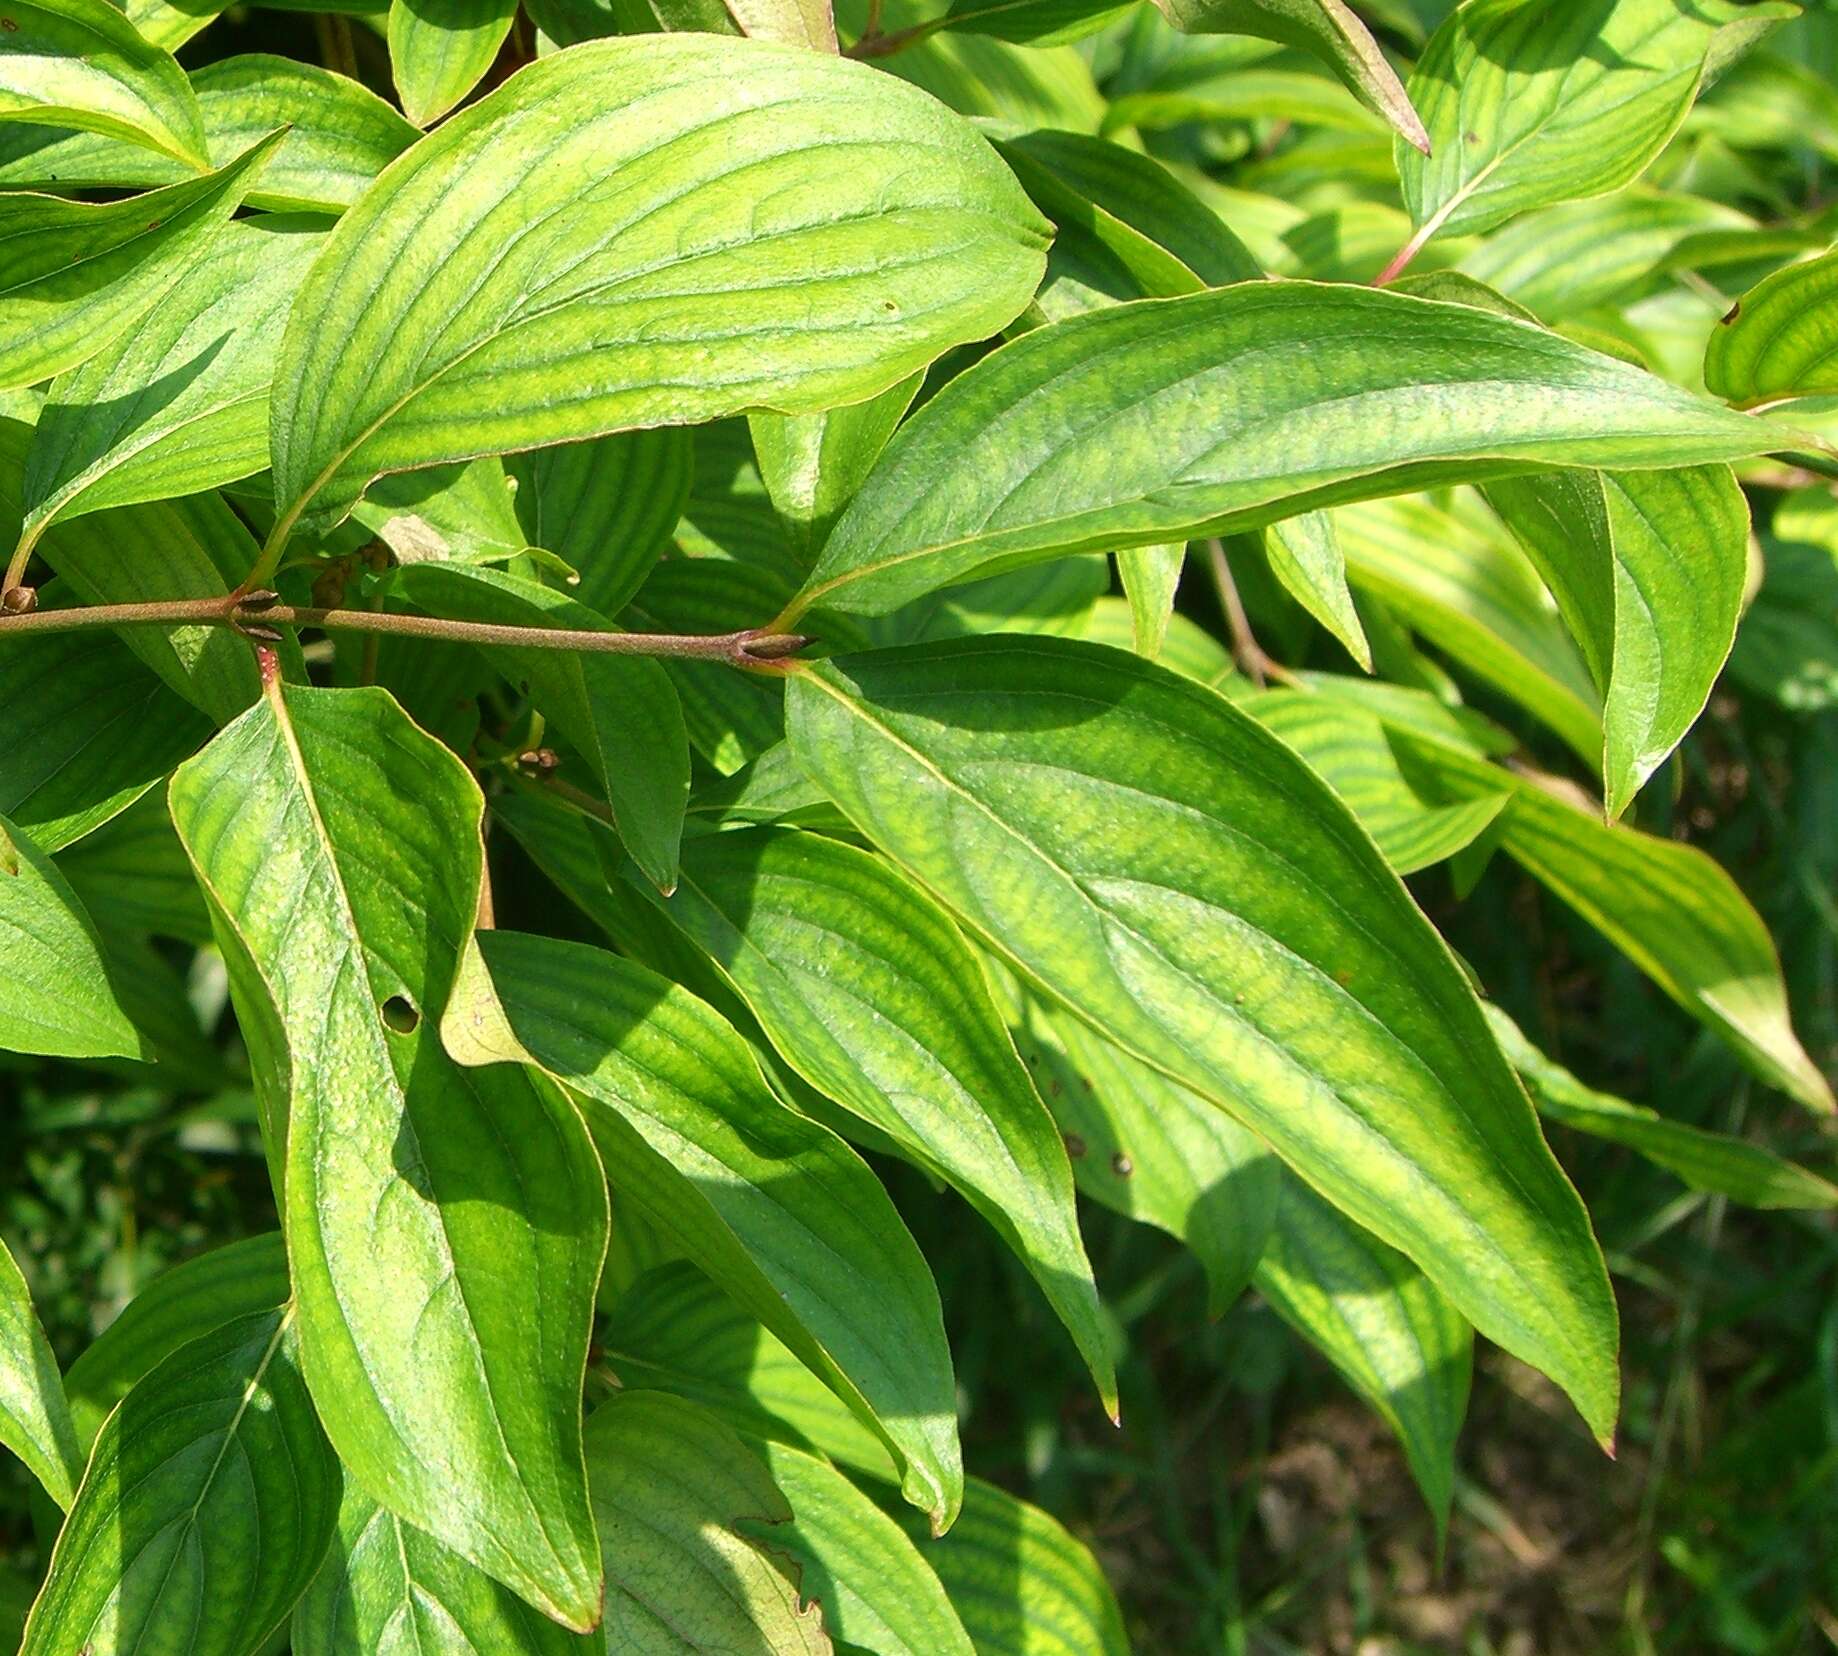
(357, 397)
(423, 1371)
(1170, 418)
(1168, 957)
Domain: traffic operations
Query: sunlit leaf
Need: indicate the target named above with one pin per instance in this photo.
(1747, 1173)
(81, 63)
(672, 1489)
(775, 1207)
(1378, 1320)
(58, 1000)
(876, 1589)
(1327, 28)
(434, 1215)
(340, 135)
(1780, 339)
(207, 1504)
(1648, 570)
(179, 403)
(1162, 420)
(34, 1412)
(1175, 875)
(1525, 105)
(1146, 1147)
(77, 273)
(1022, 1585)
(439, 50)
(620, 162)
(1675, 913)
(388, 1589)
(870, 992)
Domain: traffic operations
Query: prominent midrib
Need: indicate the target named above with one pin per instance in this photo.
(437, 1223)
(1481, 1234)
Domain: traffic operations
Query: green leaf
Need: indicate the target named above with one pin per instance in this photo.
(873, 996)
(200, 1296)
(1526, 106)
(1572, 259)
(1306, 557)
(812, 464)
(671, 1486)
(195, 547)
(1176, 876)
(178, 404)
(731, 717)
(1150, 576)
(808, 23)
(1780, 339)
(1648, 570)
(1787, 646)
(1057, 597)
(776, 1208)
(876, 1590)
(1457, 578)
(1672, 910)
(1375, 1317)
(581, 857)
(340, 135)
(135, 868)
(1022, 1585)
(1346, 747)
(34, 1414)
(439, 50)
(89, 730)
(1097, 257)
(1719, 1163)
(978, 75)
(434, 1215)
(1030, 22)
(1327, 28)
(208, 1502)
(387, 1589)
(1187, 648)
(80, 63)
(620, 711)
(77, 274)
(1138, 191)
(606, 508)
(170, 23)
(464, 513)
(674, 1330)
(1144, 1146)
(1169, 419)
(1298, 97)
(58, 1001)
(416, 341)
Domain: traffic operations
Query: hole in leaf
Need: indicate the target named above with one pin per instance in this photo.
(400, 1015)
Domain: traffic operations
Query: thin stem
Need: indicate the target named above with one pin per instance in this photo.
(756, 648)
(373, 643)
(1246, 651)
(1400, 261)
(873, 44)
(15, 576)
(579, 798)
